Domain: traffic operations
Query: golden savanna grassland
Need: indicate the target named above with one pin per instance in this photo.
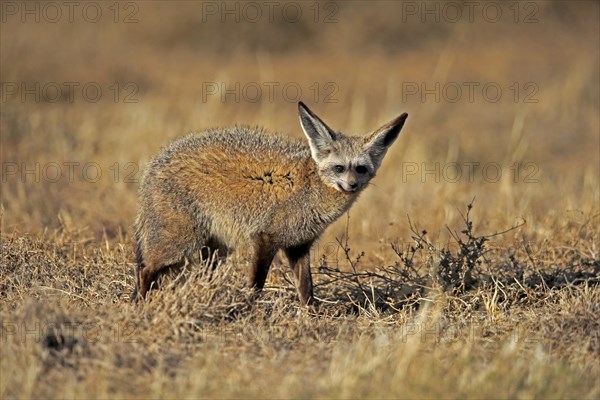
(469, 268)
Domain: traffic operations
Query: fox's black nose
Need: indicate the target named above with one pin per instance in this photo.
(354, 185)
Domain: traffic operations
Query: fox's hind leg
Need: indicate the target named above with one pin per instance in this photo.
(148, 272)
(263, 253)
(299, 259)
(162, 242)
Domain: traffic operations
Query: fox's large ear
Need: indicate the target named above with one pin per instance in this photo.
(378, 142)
(320, 136)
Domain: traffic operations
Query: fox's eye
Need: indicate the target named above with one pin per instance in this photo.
(361, 169)
(339, 169)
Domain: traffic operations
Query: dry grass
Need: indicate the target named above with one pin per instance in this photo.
(454, 312)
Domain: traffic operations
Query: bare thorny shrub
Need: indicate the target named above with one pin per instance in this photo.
(466, 270)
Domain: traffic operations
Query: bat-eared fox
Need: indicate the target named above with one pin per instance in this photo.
(244, 188)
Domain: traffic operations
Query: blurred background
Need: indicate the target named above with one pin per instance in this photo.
(502, 97)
